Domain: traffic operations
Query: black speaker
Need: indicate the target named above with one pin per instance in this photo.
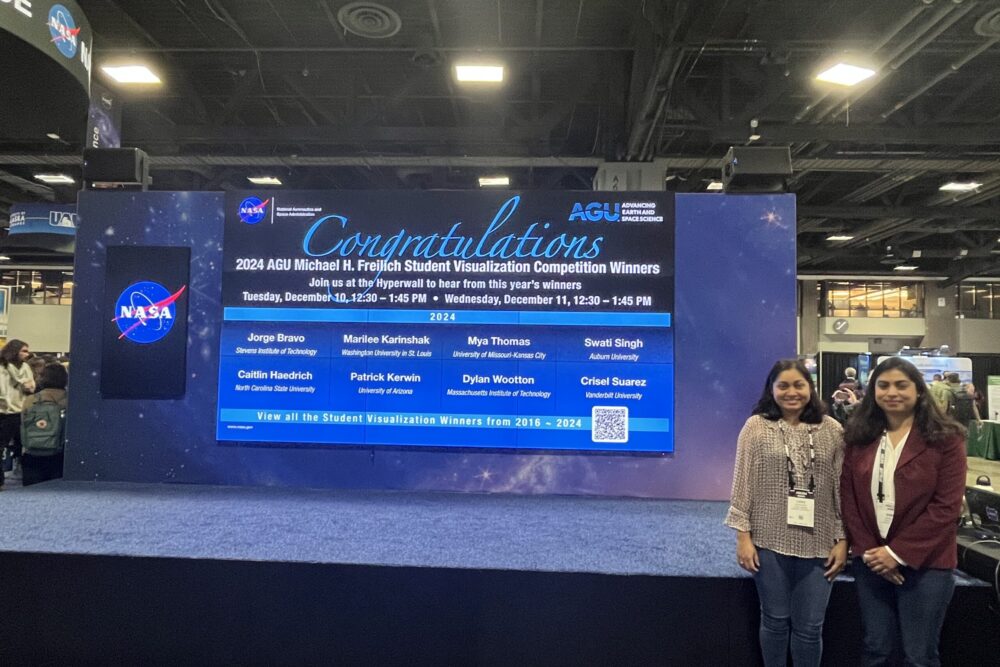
(126, 168)
(756, 168)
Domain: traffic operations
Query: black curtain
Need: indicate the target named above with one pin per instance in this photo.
(831, 371)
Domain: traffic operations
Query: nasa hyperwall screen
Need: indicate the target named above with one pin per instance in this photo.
(534, 321)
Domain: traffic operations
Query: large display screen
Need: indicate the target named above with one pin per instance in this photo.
(534, 321)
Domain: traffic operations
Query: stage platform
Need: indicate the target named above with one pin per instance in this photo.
(168, 574)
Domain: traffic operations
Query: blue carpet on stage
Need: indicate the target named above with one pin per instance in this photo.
(173, 574)
(622, 536)
(540, 533)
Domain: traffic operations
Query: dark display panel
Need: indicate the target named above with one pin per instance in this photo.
(144, 338)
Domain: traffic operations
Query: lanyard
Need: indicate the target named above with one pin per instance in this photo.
(881, 464)
(791, 465)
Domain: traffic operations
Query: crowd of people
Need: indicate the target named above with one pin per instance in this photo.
(32, 413)
(886, 487)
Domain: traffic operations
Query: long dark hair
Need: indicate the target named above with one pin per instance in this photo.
(868, 421)
(11, 352)
(767, 407)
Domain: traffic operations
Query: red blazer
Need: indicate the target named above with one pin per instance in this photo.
(930, 485)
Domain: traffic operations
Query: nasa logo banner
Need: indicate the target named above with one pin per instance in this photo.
(62, 27)
(59, 30)
(146, 312)
(144, 342)
(252, 210)
(37, 218)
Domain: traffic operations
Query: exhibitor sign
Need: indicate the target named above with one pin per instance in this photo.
(58, 29)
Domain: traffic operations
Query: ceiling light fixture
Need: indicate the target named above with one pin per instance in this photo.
(264, 180)
(839, 237)
(494, 181)
(714, 186)
(844, 74)
(960, 186)
(4, 258)
(55, 179)
(131, 74)
(53, 136)
(905, 267)
(479, 73)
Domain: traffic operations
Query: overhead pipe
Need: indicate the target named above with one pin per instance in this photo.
(948, 71)
(657, 90)
(890, 34)
(931, 29)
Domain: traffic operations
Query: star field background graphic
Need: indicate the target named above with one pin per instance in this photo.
(735, 314)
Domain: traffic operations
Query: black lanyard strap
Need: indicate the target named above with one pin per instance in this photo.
(791, 464)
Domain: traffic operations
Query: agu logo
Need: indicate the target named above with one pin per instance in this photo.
(253, 210)
(63, 29)
(145, 311)
(595, 212)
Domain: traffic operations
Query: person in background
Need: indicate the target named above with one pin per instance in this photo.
(16, 382)
(940, 392)
(850, 382)
(844, 402)
(785, 509)
(962, 402)
(45, 464)
(902, 487)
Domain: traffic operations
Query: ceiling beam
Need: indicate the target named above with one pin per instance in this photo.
(876, 212)
(931, 135)
(196, 134)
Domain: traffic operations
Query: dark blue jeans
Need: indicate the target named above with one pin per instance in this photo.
(793, 596)
(911, 614)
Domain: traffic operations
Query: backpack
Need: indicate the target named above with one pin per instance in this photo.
(961, 405)
(42, 428)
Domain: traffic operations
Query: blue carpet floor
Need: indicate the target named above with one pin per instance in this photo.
(536, 533)
(560, 534)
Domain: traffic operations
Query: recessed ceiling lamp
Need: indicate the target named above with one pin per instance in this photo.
(479, 73)
(55, 179)
(494, 181)
(139, 74)
(264, 180)
(843, 74)
(53, 136)
(714, 186)
(839, 237)
(960, 186)
(905, 267)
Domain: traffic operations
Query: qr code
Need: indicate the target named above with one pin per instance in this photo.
(609, 424)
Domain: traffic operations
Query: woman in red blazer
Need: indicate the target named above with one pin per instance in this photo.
(902, 486)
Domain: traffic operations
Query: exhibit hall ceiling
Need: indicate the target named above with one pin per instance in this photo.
(326, 94)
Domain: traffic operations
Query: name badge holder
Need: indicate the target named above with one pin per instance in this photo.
(801, 509)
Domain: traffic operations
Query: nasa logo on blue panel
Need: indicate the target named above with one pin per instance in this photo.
(145, 312)
(63, 29)
(253, 210)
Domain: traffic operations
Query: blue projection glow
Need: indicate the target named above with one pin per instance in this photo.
(448, 320)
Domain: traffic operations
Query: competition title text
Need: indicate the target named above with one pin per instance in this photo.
(529, 244)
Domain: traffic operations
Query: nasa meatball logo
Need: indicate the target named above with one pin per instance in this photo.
(253, 210)
(63, 29)
(145, 312)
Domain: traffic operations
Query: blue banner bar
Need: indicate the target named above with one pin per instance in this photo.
(438, 419)
(525, 317)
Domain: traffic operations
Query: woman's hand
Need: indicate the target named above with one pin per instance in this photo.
(746, 553)
(881, 562)
(836, 560)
